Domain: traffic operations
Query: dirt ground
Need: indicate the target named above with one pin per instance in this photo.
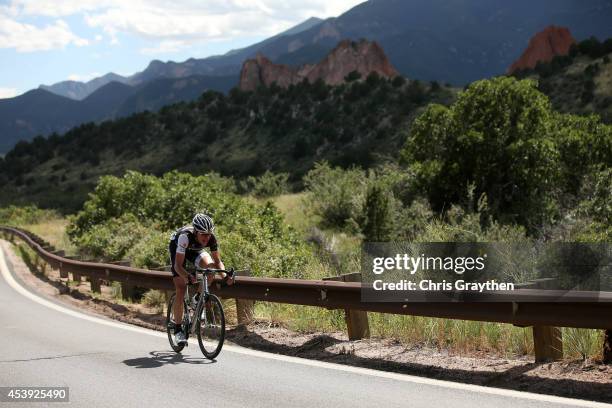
(577, 379)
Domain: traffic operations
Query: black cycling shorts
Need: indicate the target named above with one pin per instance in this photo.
(190, 255)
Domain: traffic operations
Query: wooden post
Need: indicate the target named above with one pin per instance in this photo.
(95, 285)
(547, 343)
(245, 309)
(607, 347)
(76, 277)
(128, 291)
(356, 320)
(63, 272)
(357, 324)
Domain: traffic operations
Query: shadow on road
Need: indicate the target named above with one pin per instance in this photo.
(161, 358)
(516, 378)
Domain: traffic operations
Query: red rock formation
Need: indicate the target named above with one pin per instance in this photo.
(364, 57)
(543, 47)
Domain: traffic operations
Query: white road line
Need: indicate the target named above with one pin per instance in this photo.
(313, 363)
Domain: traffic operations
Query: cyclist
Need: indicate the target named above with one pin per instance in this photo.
(187, 244)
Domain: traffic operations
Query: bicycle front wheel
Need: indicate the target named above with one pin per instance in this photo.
(211, 327)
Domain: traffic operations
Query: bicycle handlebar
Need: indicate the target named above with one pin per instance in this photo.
(231, 274)
(230, 271)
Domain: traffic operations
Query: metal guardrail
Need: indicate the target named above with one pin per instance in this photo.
(514, 308)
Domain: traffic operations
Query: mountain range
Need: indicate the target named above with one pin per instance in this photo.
(158, 69)
(40, 112)
(450, 41)
(283, 128)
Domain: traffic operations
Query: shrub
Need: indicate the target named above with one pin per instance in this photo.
(111, 239)
(155, 299)
(266, 185)
(584, 143)
(150, 250)
(19, 216)
(376, 223)
(336, 195)
(131, 216)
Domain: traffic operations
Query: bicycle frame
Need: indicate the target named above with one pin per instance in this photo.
(204, 292)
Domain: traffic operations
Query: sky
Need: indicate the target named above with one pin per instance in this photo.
(48, 41)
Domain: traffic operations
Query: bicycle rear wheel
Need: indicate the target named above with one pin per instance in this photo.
(170, 325)
(211, 327)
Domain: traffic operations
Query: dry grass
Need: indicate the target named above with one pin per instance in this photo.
(54, 231)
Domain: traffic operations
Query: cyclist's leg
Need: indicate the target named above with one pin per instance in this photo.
(204, 260)
(180, 286)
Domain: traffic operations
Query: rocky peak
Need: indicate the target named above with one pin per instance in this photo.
(364, 57)
(543, 47)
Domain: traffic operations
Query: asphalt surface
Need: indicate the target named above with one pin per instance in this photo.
(106, 365)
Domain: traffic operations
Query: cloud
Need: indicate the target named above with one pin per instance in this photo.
(8, 93)
(28, 38)
(53, 8)
(187, 20)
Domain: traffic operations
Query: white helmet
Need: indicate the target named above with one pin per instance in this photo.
(203, 223)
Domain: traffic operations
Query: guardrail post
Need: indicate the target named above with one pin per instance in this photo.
(95, 284)
(607, 347)
(75, 275)
(357, 324)
(128, 291)
(547, 343)
(245, 309)
(63, 272)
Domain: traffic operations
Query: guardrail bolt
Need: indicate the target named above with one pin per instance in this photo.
(547, 343)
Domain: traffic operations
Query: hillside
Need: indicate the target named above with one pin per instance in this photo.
(40, 112)
(449, 41)
(361, 122)
(580, 82)
(34, 112)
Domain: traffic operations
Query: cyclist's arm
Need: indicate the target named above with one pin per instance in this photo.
(179, 258)
(217, 260)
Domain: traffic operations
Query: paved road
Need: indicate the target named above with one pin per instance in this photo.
(110, 364)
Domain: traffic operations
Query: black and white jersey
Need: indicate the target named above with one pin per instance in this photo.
(185, 239)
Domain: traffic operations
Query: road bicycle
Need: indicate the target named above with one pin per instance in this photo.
(202, 315)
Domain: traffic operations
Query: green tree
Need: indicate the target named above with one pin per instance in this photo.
(376, 224)
(499, 136)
